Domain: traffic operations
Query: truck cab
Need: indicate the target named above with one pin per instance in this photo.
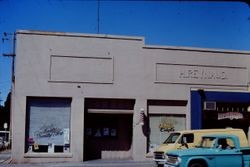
(214, 150)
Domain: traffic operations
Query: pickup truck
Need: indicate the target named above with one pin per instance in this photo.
(180, 140)
(214, 151)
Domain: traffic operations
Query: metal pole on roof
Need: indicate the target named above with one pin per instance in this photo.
(98, 16)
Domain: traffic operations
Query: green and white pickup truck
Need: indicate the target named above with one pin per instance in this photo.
(218, 150)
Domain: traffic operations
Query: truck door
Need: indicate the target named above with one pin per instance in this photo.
(228, 158)
(226, 154)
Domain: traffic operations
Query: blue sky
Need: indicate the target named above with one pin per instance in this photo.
(220, 25)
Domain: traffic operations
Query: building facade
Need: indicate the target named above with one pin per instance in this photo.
(79, 97)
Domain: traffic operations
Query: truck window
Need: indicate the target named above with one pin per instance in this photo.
(189, 138)
(226, 143)
(231, 143)
(207, 142)
(172, 138)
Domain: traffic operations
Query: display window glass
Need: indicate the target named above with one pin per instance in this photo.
(161, 126)
(48, 125)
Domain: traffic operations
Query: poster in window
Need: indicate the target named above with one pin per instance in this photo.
(105, 132)
(88, 131)
(113, 132)
(98, 133)
(66, 135)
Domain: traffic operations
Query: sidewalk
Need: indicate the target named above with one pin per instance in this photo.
(5, 156)
(95, 163)
(5, 161)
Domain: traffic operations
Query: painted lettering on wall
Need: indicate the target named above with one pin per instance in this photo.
(48, 131)
(202, 74)
(167, 125)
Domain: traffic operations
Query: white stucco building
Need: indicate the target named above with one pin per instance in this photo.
(78, 97)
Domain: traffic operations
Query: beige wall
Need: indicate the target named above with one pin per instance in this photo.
(102, 66)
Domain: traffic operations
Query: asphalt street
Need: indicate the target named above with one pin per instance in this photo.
(5, 161)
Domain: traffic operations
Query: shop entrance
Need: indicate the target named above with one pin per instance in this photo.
(108, 136)
(108, 126)
(227, 114)
(220, 110)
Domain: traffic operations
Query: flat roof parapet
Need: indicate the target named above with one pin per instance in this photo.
(195, 49)
(71, 34)
(132, 38)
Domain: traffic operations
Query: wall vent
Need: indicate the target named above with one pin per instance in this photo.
(209, 105)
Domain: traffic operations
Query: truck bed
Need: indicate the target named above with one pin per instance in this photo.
(245, 150)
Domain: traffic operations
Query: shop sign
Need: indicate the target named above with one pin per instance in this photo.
(167, 126)
(201, 74)
(230, 115)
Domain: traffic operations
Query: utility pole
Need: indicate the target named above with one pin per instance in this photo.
(12, 54)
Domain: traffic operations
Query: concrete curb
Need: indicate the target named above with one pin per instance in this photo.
(98, 163)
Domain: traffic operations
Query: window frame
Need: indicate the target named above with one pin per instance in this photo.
(66, 151)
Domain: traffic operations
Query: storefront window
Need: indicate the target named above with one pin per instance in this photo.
(161, 126)
(48, 125)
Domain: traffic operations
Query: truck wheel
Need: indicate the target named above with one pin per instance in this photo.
(197, 164)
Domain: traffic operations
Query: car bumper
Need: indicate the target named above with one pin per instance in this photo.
(160, 162)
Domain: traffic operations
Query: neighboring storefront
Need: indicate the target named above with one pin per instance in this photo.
(221, 109)
(79, 97)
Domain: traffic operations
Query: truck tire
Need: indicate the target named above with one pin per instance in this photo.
(197, 164)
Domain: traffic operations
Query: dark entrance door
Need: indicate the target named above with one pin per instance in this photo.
(107, 136)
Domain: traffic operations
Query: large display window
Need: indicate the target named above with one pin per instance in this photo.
(48, 125)
(161, 126)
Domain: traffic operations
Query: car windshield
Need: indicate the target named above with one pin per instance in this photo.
(207, 142)
(172, 138)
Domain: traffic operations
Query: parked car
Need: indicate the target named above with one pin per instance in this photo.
(214, 151)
